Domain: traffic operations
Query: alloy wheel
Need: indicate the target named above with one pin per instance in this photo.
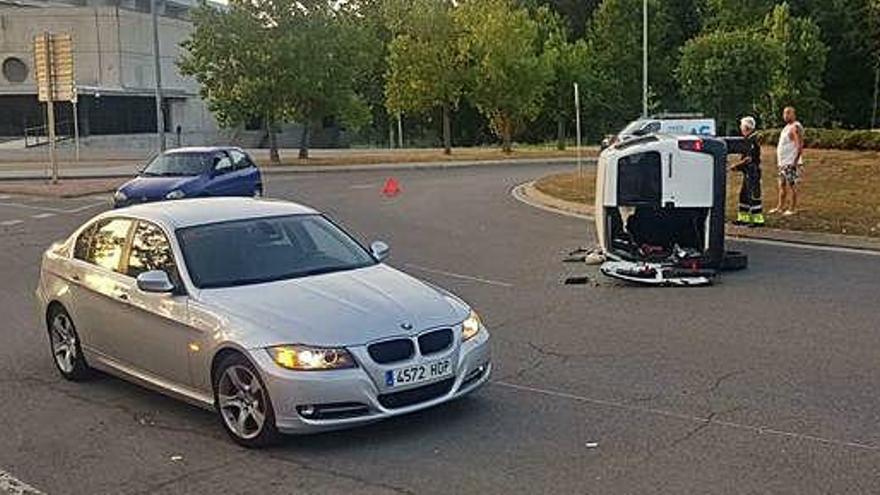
(64, 345)
(242, 402)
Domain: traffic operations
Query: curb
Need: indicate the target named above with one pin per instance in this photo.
(527, 193)
(305, 169)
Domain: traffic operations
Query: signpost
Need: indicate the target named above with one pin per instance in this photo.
(53, 61)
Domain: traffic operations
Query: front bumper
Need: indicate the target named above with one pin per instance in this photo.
(351, 397)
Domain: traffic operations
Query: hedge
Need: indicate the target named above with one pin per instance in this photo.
(838, 139)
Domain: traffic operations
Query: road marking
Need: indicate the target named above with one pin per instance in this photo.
(4, 196)
(810, 247)
(519, 195)
(12, 486)
(458, 275)
(363, 186)
(8, 223)
(761, 430)
(43, 215)
(55, 210)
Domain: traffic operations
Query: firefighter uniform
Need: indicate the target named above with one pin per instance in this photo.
(751, 211)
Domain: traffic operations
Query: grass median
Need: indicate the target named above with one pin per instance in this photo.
(840, 192)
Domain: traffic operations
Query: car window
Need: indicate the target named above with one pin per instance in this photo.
(222, 163)
(108, 243)
(261, 250)
(179, 164)
(83, 243)
(239, 159)
(150, 250)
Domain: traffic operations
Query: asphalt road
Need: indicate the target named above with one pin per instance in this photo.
(764, 383)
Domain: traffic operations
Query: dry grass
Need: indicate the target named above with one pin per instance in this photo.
(373, 157)
(840, 192)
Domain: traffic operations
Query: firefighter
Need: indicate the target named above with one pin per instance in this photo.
(751, 211)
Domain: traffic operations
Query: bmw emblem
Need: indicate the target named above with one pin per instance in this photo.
(406, 326)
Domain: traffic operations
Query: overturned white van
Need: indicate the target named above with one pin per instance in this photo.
(660, 203)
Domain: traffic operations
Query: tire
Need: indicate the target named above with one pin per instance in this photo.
(65, 345)
(243, 392)
(734, 260)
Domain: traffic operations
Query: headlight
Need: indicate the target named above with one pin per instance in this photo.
(175, 194)
(471, 326)
(305, 358)
(120, 197)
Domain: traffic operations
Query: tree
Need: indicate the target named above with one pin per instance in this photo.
(720, 73)
(735, 14)
(236, 57)
(799, 78)
(569, 63)
(425, 68)
(279, 60)
(575, 14)
(508, 75)
(323, 60)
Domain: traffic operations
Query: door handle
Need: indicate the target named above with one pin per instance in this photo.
(123, 296)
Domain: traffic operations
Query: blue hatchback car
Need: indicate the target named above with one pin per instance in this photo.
(193, 172)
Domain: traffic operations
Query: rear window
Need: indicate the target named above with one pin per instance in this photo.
(639, 179)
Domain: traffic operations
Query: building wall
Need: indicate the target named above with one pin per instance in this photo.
(113, 55)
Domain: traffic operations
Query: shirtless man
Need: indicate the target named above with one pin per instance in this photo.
(789, 160)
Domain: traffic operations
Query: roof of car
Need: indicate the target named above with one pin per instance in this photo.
(199, 211)
(200, 149)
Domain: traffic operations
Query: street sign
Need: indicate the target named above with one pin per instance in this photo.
(53, 61)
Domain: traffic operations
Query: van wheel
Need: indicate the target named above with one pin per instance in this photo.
(734, 260)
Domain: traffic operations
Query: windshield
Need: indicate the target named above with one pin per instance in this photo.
(178, 164)
(260, 250)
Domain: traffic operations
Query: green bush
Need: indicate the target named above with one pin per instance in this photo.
(837, 139)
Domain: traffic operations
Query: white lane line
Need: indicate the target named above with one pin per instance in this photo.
(810, 247)
(5, 196)
(12, 486)
(54, 210)
(43, 215)
(363, 186)
(761, 430)
(458, 275)
(8, 223)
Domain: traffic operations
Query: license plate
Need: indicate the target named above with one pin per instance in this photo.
(418, 373)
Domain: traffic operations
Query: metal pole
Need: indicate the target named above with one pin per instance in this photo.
(50, 106)
(876, 94)
(399, 131)
(577, 119)
(645, 59)
(160, 114)
(75, 127)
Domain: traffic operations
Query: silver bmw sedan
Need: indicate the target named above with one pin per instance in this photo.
(264, 311)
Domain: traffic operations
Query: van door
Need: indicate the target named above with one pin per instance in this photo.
(688, 177)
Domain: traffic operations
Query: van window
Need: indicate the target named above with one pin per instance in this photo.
(639, 179)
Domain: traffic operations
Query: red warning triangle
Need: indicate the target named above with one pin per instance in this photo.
(391, 187)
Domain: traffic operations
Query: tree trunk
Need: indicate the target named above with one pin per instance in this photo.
(274, 156)
(304, 143)
(560, 132)
(506, 135)
(447, 131)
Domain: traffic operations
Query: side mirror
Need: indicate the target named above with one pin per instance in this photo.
(155, 281)
(379, 250)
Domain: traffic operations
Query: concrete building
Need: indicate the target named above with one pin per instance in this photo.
(113, 58)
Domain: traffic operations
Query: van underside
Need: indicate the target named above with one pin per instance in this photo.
(664, 246)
